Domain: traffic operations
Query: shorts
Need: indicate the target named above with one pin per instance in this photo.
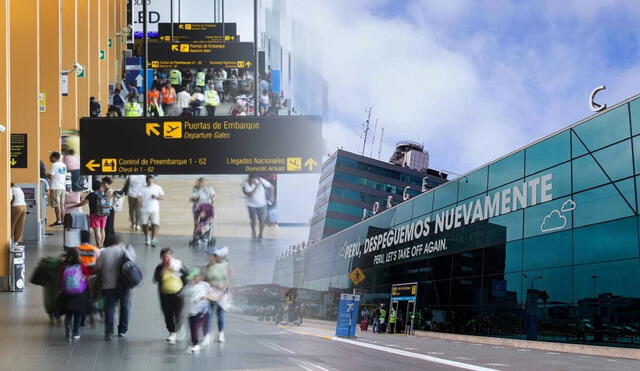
(56, 198)
(260, 212)
(97, 221)
(150, 218)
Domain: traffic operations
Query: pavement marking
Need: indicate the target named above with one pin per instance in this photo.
(413, 348)
(392, 345)
(523, 350)
(436, 353)
(308, 365)
(612, 360)
(424, 357)
(276, 347)
(464, 358)
(497, 347)
(242, 331)
(476, 344)
(496, 364)
(552, 353)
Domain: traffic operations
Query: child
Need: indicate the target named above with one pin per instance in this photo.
(74, 294)
(197, 294)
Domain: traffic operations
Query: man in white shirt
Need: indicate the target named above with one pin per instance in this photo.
(135, 183)
(183, 99)
(57, 179)
(150, 210)
(255, 189)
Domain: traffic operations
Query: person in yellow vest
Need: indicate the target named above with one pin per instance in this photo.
(212, 100)
(393, 318)
(132, 108)
(200, 79)
(175, 77)
(382, 319)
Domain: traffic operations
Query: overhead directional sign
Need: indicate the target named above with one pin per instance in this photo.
(201, 145)
(197, 55)
(197, 32)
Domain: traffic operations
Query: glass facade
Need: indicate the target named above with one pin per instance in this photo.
(541, 244)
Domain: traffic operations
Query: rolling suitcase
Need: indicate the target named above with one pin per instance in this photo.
(73, 224)
(364, 325)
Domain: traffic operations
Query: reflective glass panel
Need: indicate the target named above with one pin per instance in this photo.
(506, 170)
(546, 251)
(616, 160)
(599, 205)
(606, 241)
(547, 153)
(607, 128)
(473, 184)
(616, 278)
(547, 217)
(445, 195)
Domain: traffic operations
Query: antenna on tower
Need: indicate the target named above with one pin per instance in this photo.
(381, 137)
(366, 129)
(373, 140)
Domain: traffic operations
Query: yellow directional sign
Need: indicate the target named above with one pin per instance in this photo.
(294, 164)
(109, 165)
(13, 162)
(172, 129)
(152, 127)
(155, 64)
(187, 26)
(175, 48)
(356, 276)
(184, 48)
(310, 164)
(91, 165)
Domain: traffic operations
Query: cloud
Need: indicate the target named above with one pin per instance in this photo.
(567, 206)
(469, 80)
(553, 222)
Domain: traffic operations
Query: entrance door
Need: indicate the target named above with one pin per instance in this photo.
(410, 317)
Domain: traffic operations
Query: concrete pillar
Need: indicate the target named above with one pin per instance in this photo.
(51, 116)
(69, 56)
(82, 48)
(25, 86)
(5, 120)
(102, 46)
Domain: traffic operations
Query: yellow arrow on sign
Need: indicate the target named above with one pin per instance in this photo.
(248, 64)
(92, 166)
(175, 48)
(310, 164)
(13, 162)
(152, 127)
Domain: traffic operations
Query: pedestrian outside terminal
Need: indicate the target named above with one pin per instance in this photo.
(541, 244)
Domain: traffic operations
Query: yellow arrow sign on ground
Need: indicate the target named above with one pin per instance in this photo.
(13, 162)
(310, 164)
(91, 165)
(152, 127)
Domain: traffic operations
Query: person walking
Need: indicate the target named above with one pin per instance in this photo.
(382, 319)
(264, 102)
(201, 194)
(133, 187)
(183, 99)
(218, 275)
(18, 213)
(255, 188)
(170, 275)
(197, 294)
(88, 253)
(175, 77)
(376, 320)
(132, 108)
(197, 101)
(212, 100)
(168, 98)
(150, 210)
(57, 179)
(100, 204)
(74, 278)
(73, 166)
(109, 266)
(393, 319)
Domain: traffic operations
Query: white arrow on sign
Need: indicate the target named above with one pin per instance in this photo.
(139, 81)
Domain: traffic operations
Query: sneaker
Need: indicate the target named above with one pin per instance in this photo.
(221, 337)
(206, 341)
(171, 339)
(76, 337)
(138, 227)
(56, 224)
(193, 349)
(147, 241)
(154, 243)
(122, 334)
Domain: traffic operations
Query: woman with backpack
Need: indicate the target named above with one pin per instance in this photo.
(74, 293)
(100, 204)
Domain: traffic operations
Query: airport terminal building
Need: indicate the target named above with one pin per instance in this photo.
(541, 244)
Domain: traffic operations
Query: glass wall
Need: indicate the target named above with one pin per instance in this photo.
(541, 244)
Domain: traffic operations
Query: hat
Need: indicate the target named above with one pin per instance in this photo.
(220, 251)
(193, 272)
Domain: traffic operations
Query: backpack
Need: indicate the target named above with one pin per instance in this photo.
(130, 273)
(73, 281)
(103, 205)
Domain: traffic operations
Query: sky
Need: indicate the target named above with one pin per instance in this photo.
(471, 80)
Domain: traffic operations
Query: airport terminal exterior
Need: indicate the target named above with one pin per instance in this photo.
(541, 244)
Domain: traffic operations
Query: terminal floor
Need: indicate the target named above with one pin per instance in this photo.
(30, 342)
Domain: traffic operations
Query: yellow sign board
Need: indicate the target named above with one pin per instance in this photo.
(172, 130)
(294, 164)
(109, 165)
(356, 276)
